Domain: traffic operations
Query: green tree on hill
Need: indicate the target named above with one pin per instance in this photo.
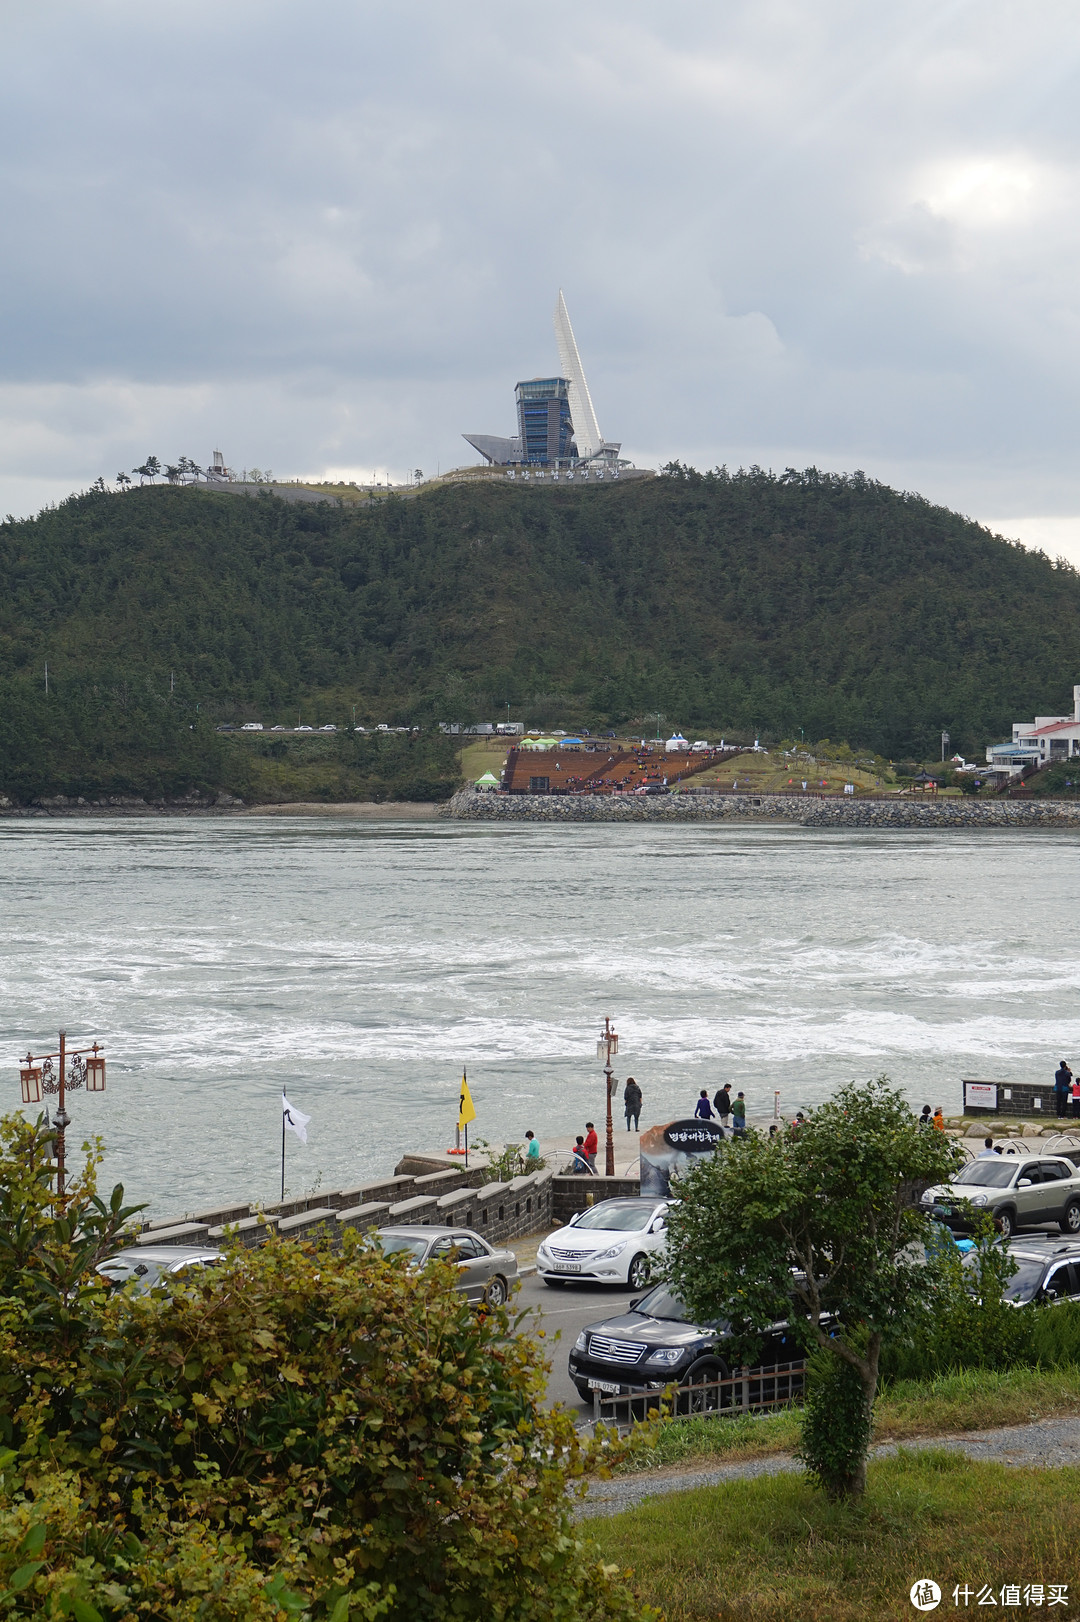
(820, 1225)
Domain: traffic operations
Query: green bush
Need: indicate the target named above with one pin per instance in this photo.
(970, 1324)
(1055, 1335)
(337, 1424)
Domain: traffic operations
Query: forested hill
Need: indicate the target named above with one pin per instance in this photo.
(737, 603)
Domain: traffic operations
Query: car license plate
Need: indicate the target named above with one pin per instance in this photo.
(604, 1385)
(568, 1267)
(946, 1210)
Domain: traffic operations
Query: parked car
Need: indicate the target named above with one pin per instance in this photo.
(1046, 1271)
(144, 1266)
(1017, 1191)
(610, 1243)
(484, 1274)
(655, 1343)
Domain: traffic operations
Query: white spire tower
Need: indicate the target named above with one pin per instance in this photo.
(586, 430)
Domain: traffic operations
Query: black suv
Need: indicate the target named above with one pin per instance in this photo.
(654, 1343)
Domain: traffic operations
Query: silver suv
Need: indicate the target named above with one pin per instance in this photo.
(1020, 1191)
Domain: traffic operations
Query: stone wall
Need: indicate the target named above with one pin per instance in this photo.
(574, 1193)
(499, 1211)
(1019, 1098)
(810, 811)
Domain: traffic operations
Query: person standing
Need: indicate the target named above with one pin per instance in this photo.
(1062, 1086)
(533, 1150)
(722, 1103)
(580, 1163)
(592, 1144)
(926, 1118)
(987, 1150)
(1076, 1097)
(738, 1117)
(632, 1105)
(939, 1119)
(703, 1109)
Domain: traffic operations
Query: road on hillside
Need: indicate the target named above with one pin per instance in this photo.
(566, 1312)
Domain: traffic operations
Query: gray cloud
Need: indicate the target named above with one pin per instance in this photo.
(330, 236)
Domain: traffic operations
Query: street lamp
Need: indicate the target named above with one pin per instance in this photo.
(605, 1047)
(82, 1067)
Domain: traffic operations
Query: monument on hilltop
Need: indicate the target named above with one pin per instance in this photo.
(557, 426)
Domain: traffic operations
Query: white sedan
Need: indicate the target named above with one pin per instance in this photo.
(610, 1243)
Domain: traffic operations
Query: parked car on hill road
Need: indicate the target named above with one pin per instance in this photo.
(1016, 1191)
(484, 1274)
(610, 1243)
(144, 1266)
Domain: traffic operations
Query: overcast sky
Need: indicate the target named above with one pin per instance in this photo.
(326, 237)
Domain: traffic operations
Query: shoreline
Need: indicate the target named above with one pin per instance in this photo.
(375, 810)
(468, 805)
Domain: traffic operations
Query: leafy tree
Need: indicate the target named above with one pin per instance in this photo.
(123, 480)
(820, 1224)
(328, 1423)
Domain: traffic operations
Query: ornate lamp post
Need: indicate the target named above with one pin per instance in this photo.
(607, 1045)
(82, 1067)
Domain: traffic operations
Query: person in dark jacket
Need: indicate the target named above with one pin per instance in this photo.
(722, 1103)
(703, 1110)
(632, 1104)
(1062, 1086)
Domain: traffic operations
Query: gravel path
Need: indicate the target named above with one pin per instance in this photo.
(1046, 1443)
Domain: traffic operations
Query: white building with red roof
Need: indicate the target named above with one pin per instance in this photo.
(1041, 742)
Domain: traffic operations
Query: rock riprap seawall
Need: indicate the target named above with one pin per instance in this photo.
(812, 812)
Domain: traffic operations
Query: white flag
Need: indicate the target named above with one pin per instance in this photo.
(294, 1119)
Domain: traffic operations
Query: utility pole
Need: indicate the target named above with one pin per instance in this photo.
(605, 1047)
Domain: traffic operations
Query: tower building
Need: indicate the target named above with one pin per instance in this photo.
(557, 424)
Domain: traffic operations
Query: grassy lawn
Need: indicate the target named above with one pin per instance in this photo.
(968, 1401)
(774, 1550)
(765, 774)
(482, 755)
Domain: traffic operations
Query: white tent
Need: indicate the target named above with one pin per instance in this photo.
(676, 743)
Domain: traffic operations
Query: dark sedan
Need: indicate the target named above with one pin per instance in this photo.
(655, 1343)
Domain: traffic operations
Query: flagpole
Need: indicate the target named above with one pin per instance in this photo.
(466, 1145)
(283, 1151)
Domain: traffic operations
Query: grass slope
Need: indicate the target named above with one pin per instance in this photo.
(774, 1550)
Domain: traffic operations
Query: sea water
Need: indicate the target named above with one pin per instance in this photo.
(361, 966)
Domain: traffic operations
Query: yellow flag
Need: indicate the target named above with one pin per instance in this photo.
(466, 1112)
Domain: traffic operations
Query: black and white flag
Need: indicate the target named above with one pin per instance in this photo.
(294, 1119)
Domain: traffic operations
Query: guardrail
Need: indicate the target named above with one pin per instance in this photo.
(746, 1391)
